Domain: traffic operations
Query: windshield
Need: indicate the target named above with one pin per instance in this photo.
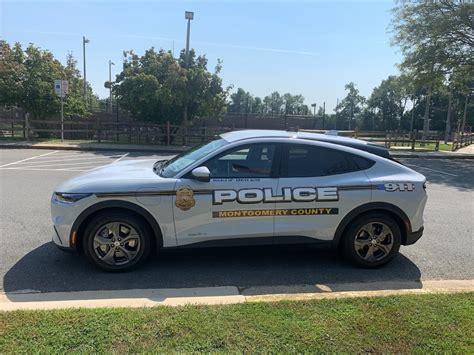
(185, 159)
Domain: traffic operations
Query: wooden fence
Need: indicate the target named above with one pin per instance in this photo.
(101, 130)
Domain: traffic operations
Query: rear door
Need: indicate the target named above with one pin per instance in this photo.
(231, 205)
(325, 185)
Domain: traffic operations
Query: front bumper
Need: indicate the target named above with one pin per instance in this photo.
(59, 242)
(413, 237)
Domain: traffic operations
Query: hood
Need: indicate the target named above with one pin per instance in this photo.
(129, 175)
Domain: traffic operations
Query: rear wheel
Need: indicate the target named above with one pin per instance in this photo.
(116, 241)
(372, 240)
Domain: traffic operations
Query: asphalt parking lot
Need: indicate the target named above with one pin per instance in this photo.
(29, 261)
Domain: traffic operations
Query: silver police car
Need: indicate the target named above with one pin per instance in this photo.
(244, 187)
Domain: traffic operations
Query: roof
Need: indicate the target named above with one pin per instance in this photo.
(256, 133)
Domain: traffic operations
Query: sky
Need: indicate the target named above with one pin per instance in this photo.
(311, 48)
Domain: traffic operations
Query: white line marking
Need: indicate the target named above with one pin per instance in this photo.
(19, 161)
(35, 169)
(65, 164)
(117, 160)
(40, 161)
(438, 171)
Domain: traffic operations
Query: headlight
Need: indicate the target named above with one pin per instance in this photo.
(68, 198)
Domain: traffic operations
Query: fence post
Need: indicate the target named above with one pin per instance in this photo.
(168, 138)
(413, 142)
(98, 128)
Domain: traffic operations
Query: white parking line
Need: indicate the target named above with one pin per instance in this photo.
(120, 158)
(67, 164)
(437, 171)
(36, 156)
(37, 161)
(36, 169)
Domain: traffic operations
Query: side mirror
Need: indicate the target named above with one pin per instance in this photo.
(201, 173)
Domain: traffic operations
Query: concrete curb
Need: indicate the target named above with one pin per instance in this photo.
(31, 300)
(178, 149)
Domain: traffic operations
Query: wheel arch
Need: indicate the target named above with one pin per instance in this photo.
(80, 223)
(379, 207)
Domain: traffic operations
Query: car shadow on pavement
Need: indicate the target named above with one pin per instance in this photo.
(250, 269)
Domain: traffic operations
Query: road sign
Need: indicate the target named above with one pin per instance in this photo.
(61, 87)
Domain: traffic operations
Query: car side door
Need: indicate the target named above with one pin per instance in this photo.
(230, 205)
(325, 184)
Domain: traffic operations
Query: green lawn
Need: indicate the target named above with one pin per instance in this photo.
(410, 323)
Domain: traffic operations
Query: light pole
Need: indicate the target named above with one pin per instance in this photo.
(110, 87)
(188, 15)
(84, 41)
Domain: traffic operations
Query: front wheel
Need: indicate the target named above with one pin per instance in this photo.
(116, 241)
(372, 240)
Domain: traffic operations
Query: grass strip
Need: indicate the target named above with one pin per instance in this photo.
(408, 323)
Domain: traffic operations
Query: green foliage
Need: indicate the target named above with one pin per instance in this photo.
(434, 33)
(156, 86)
(351, 106)
(27, 81)
(243, 102)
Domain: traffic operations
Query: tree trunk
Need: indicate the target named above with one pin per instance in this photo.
(448, 121)
(463, 126)
(412, 120)
(426, 119)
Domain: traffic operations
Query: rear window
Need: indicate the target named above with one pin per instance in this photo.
(360, 162)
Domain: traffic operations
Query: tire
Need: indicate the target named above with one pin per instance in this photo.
(371, 240)
(117, 241)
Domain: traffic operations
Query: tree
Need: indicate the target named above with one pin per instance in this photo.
(294, 104)
(388, 102)
(350, 106)
(156, 86)
(274, 103)
(241, 102)
(27, 81)
(437, 39)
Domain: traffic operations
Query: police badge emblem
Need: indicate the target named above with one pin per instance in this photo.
(185, 198)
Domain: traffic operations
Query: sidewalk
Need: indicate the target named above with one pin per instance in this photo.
(464, 153)
(223, 294)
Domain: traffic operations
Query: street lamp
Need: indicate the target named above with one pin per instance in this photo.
(314, 108)
(188, 15)
(84, 41)
(110, 87)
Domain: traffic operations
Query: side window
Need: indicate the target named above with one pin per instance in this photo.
(311, 161)
(251, 161)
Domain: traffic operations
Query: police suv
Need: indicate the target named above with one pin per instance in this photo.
(244, 188)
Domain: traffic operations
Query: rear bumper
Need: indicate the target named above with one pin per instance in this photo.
(413, 237)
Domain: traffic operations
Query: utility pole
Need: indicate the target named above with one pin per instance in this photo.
(324, 112)
(188, 15)
(314, 114)
(84, 41)
(110, 83)
(337, 113)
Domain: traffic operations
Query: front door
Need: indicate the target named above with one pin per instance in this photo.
(231, 205)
